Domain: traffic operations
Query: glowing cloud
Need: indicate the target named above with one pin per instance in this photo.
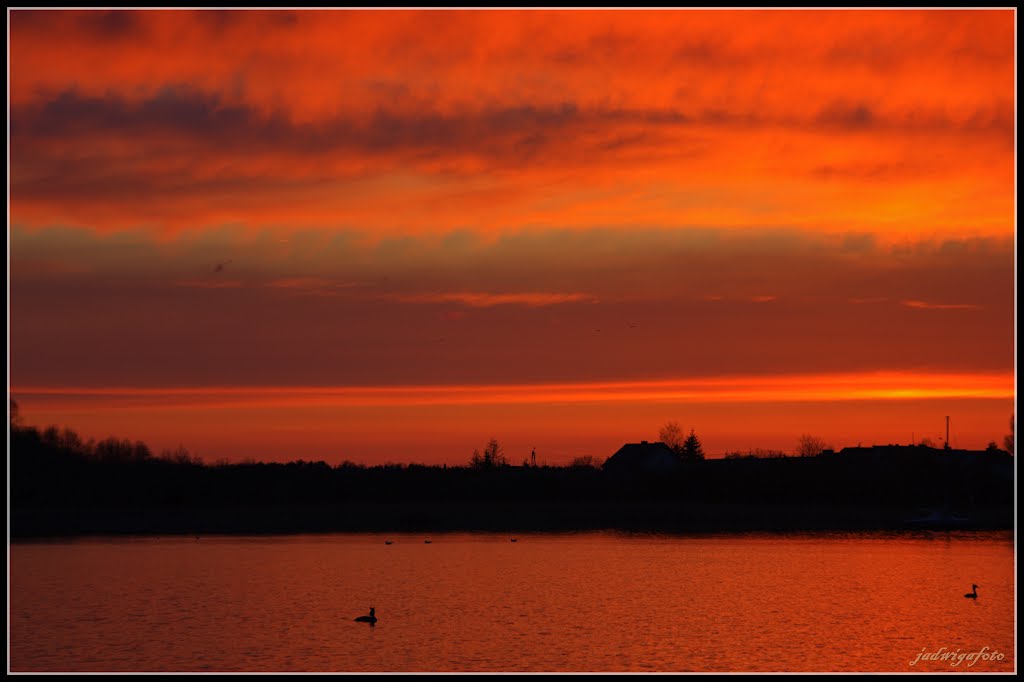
(838, 387)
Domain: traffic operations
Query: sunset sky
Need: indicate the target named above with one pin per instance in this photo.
(393, 235)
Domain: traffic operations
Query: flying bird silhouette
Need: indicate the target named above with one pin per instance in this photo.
(220, 266)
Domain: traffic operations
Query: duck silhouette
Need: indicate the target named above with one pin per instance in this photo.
(387, 542)
(371, 619)
(973, 594)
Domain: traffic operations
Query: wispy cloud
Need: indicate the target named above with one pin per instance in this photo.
(478, 299)
(209, 283)
(924, 305)
(327, 287)
(760, 298)
(883, 385)
(313, 286)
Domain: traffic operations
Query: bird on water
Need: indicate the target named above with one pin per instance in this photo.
(372, 618)
(973, 594)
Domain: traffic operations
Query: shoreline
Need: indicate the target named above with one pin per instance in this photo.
(498, 517)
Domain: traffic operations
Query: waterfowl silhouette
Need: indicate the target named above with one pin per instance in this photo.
(387, 542)
(371, 619)
(973, 594)
(514, 540)
(426, 542)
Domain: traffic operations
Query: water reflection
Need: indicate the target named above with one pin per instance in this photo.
(470, 602)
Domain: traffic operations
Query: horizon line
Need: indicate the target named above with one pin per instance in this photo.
(839, 386)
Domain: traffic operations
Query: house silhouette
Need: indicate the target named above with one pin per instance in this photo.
(643, 457)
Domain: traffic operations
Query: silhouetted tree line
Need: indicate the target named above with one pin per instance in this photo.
(1008, 438)
(756, 453)
(494, 456)
(687, 449)
(55, 469)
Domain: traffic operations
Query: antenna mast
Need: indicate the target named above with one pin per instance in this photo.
(947, 433)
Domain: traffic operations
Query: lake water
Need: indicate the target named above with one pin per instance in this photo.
(479, 602)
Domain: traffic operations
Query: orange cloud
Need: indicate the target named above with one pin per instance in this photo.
(800, 388)
(924, 305)
(659, 175)
(893, 122)
(486, 300)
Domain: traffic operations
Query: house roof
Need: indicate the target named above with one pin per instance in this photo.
(643, 456)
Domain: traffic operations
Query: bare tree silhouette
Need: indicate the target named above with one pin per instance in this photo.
(672, 436)
(810, 446)
(586, 461)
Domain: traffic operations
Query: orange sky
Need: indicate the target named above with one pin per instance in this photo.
(814, 207)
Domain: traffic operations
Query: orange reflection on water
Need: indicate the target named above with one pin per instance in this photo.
(474, 602)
